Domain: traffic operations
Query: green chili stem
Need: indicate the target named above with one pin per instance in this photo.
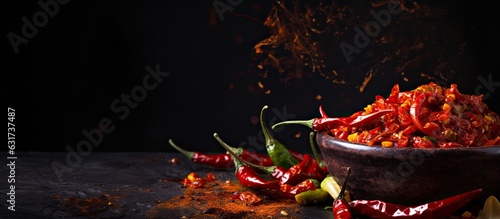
(344, 185)
(234, 155)
(308, 123)
(189, 154)
(315, 152)
(267, 135)
(230, 150)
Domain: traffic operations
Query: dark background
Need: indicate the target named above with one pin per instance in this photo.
(65, 78)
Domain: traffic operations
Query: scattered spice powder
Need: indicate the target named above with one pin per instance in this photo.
(215, 200)
(90, 207)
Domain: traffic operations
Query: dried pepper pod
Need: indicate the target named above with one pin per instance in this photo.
(432, 210)
(223, 160)
(249, 178)
(306, 169)
(327, 124)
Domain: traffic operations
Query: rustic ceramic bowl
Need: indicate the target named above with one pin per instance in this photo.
(411, 176)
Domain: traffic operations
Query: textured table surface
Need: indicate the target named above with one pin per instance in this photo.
(131, 185)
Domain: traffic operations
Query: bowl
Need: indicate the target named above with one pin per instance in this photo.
(411, 176)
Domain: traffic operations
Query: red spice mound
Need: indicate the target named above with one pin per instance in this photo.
(429, 116)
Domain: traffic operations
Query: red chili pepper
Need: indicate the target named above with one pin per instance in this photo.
(223, 160)
(296, 173)
(247, 177)
(306, 185)
(341, 209)
(306, 169)
(432, 210)
(327, 124)
(275, 171)
(430, 129)
(297, 155)
(322, 112)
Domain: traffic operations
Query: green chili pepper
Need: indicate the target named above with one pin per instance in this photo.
(312, 197)
(278, 153)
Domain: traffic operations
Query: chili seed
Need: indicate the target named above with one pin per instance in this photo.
(466, 214)
(450, 135)
(386, 144)
(446, 107)
(284, 213)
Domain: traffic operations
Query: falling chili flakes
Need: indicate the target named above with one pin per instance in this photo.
(319, 97)
(298, 135)
(260, 85)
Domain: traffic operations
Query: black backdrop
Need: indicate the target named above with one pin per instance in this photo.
(65, 79)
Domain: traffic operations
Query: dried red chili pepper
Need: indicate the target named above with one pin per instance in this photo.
(275, 171)
(327, 124)
(306, 169)
(432, 210)
(296, 155)
(249, 178)
(306, 185)
(341, 209)
(223, 160)
(430, 128)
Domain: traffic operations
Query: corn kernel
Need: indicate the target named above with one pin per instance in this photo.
(386, 144)
(352, 137)
(446, 107)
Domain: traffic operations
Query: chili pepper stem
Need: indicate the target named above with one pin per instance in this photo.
(344, 185)
(315, 152)
(267, 135)
(308, 123)
(189, 154)
(233, 153)
(235, 156)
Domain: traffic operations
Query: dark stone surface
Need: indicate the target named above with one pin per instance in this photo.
(114, 185)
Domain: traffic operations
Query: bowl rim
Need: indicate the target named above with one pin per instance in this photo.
(355, 145)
